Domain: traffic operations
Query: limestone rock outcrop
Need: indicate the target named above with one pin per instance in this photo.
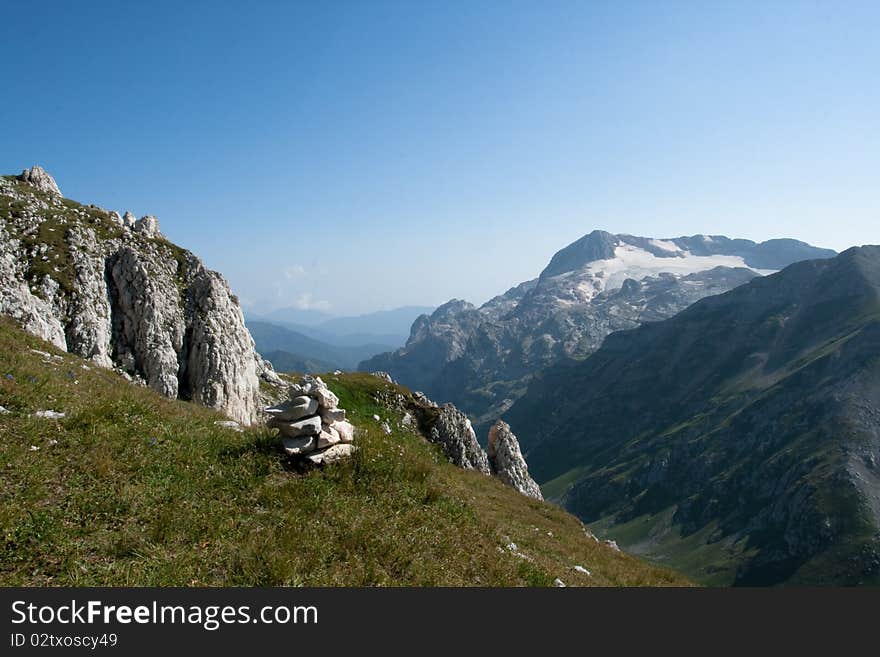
(37, 177)
(450, 428)
(507, 463)
(29, 308)
(147, 225)
(453, 430)
(312, 427)
(113, 290)
(266, 372)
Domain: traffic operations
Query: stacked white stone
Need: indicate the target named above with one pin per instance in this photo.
(311, 424)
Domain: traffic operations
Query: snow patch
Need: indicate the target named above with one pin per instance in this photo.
(632, 262)
(666, 245)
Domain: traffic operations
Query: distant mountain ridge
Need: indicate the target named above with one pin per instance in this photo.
(738, 440)
(327, 342)
(382, 322)
(382, 326)
(285, 361)
(481, 359)
(290, 350)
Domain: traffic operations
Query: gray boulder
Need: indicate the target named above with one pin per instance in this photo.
(308, 427)
(344, 429)
(331, 454)
(299, 446)
(294, 409)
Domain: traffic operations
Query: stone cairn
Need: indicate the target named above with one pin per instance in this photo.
(312, 427)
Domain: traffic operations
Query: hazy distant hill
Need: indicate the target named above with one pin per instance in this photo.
(299, 348)
(384, 322)
(388, 328)
(284, 361)
(296, 316)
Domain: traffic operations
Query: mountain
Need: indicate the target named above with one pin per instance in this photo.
(128, 488)
(291, 347)
(284, 361)
(388, 328)
(383, 322)
(330, 343)
(112, 289)
(738, 440)
(300, 316)
(482, 359)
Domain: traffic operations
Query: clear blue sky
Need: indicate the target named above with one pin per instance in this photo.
(367, 155)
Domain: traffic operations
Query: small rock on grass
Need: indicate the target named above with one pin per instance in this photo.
(331, 454)
(345, 431)
(50, 415)
(230, 424)
(328, 437)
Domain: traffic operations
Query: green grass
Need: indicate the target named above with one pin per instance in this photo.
(656, 538)
(556, 489)
(140, 490)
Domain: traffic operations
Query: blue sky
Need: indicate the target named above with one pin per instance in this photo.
(355, 156)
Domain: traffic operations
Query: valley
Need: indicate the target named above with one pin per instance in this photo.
(707, 404)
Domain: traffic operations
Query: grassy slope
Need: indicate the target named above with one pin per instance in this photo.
(140, 490)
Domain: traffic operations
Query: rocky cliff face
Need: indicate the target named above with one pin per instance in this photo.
(482, 359)
(452, 429)
(507, 462)
(112, 289)
(37, 178)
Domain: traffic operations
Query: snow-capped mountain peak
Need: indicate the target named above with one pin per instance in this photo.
(482, 359)
(633, 261)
